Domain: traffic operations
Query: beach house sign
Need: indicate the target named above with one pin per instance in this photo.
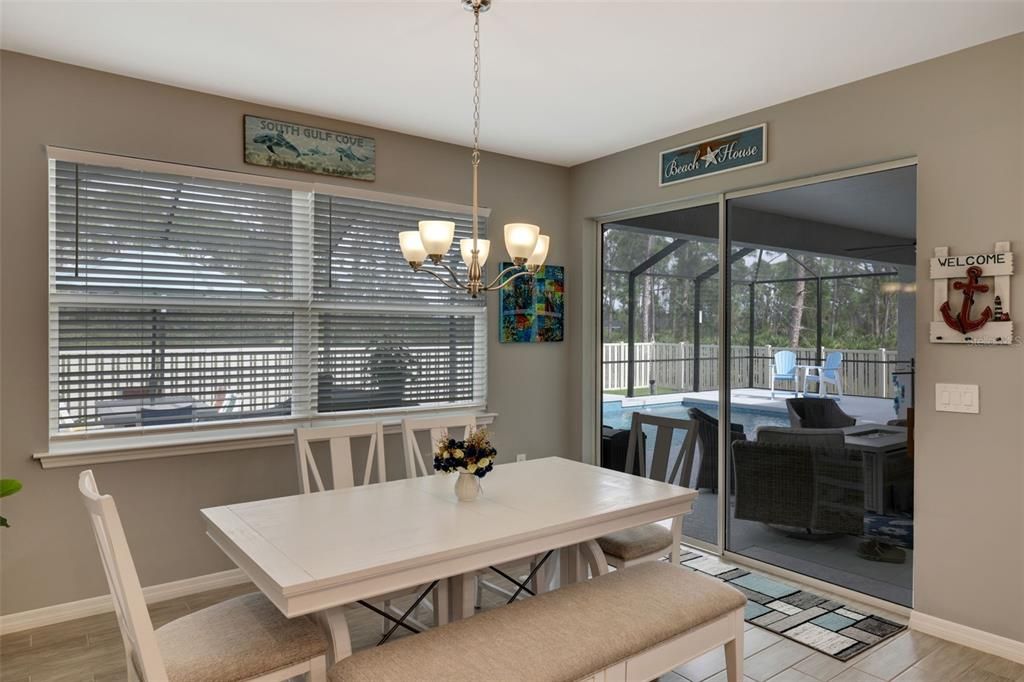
(727, 152)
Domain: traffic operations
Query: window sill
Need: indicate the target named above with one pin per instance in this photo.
(105, 449)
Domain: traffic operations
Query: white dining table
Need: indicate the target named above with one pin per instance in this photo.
(313, 554)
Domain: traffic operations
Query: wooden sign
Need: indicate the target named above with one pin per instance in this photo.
(728, 152)
(314, 150)
(954, 266)
(972, 297)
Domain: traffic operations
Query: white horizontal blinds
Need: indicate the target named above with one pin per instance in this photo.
(176, 299)
(357, 259)
(388, 337)
(385, 360)
(140, 367)
(126, 232)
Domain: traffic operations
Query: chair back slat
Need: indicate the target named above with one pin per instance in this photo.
(662, 445)
(141, 650)
(342, 464)
(785, 363)
(833, 361)
(343, 460)
(456, 426)
(666, 428)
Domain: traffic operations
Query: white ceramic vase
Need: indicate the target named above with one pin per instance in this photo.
(467, 487)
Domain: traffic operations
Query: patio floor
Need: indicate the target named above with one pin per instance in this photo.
(833, 560)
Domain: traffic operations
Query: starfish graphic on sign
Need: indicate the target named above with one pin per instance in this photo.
(710, 157)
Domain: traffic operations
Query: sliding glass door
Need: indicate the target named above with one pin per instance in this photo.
(821, 339)
(660, 340)
(804, 353)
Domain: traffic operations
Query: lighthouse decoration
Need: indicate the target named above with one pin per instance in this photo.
(972, 296)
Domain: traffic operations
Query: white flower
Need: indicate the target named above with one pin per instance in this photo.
(471, 468)
(458, 454)
(483, 462)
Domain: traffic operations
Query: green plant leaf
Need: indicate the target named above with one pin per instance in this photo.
(9, 486)
(3, 523)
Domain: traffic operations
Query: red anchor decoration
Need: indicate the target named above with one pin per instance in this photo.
(962, 321)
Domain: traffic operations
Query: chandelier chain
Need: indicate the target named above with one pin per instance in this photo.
(476, 85)
(413, 245)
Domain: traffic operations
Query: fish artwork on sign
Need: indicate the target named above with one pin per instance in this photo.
(270, 141)
(292, 146)
(346, 154)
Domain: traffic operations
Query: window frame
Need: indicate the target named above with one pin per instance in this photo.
(142, 442)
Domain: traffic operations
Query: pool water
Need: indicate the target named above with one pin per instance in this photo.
(619, 417)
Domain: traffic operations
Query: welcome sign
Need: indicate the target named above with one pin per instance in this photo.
(720, 154)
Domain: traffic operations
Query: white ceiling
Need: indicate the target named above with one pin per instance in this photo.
(564, 82)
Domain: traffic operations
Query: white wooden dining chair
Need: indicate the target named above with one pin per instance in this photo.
(652, 541)
(345, 466)
(455, 425)
(245, 638)
(417, 464)
(343, 463)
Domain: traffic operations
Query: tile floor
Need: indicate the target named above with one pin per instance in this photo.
(90, 650)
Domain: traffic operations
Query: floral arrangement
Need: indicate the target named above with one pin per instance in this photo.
(474, 455)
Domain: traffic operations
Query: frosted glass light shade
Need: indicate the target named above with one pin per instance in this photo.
(437, 236)
(483, 246)
(521, 239)
(540, 252)
(412, 246)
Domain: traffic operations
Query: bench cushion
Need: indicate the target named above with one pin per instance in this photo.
(563, 635)
(633, 543)
(237, 639)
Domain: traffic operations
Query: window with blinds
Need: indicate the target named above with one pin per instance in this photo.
(199, 300)
(387, 336)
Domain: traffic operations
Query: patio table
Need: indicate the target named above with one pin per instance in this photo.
(884, 448)
(801, 386)
(316, 553)
(128, 411)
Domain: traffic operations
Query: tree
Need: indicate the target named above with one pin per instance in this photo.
(797, 313)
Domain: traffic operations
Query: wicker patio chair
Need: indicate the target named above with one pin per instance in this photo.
(817, 413)
(807, 483)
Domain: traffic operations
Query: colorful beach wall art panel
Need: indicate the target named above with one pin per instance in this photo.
(532, 309)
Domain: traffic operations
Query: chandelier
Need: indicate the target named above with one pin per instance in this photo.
(527, 247)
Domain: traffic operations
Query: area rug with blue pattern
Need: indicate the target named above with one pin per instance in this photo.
(820, 623)
(894, 529)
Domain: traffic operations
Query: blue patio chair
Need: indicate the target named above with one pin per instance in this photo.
(783, 368)
(829, 373)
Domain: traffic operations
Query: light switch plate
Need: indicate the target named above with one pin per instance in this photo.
(956, 398)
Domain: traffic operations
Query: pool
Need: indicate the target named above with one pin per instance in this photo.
(619, 417)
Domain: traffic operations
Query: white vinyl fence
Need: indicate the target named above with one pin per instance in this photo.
(671, 366)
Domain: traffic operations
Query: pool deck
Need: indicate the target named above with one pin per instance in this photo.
(864, 410)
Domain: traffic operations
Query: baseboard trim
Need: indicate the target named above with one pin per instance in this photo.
(968, 636)
(59, 613)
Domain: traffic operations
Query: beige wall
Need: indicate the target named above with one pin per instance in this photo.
(49, 555)
(963, 117)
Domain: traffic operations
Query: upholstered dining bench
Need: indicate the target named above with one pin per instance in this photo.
(633, 624)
